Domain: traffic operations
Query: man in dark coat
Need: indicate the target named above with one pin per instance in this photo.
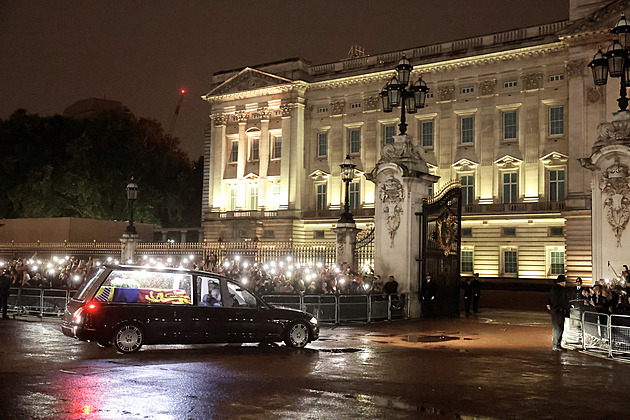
(5, 285)
(468, 295)
(476, 290)
(558, 306)
(428, 295)
(576, 292)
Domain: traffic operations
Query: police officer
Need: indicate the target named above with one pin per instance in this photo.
(476, 290)
(428, 295)
(558, 306)
(468, 295)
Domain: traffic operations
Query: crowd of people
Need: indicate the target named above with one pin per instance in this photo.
(611, 297)
(56, 273)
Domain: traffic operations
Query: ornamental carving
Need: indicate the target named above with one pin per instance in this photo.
(241, 116)
(401, 148)
(264, 113)
(371, 102)
(616, 196)
(594, 95)
(615, 132)
(337, 107)
(487, 87)
(445, 93)
(576, 68)
(447, 225)
(220, 120)
(532, 81)
(286, 110)
(392, 195)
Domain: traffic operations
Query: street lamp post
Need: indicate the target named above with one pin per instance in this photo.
(347, 174)
(398, 91)
(615, 62)
(132, 195)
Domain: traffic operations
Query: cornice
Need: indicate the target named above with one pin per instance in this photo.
(298, 86)
(447, 65)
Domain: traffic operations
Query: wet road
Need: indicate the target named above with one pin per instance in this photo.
(496, 365)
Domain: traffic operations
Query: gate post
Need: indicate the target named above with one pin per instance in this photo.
(402, 180)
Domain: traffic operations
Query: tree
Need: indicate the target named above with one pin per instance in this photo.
(57, 166)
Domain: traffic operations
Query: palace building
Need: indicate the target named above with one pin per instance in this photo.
(508, 114)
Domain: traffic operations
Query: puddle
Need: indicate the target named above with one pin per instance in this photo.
(339, 350)
(429, 338)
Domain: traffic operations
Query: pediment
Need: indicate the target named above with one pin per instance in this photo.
(554, 158)
(604, 18)
(508, 162)
(246, 80)
(464, 165)
(319, 175)
(251, 176)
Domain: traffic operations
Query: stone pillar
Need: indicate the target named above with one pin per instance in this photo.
(402, 181)
(609, 164)
(263, 154)
(129, 243)
(346, 244)
(182, 236)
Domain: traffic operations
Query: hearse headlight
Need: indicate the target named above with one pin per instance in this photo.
(313, 320)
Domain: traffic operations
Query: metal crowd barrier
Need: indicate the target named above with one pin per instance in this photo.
(336, 309)
(25, 301)
(599, 333)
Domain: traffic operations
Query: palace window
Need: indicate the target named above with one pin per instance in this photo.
(321, 198)
(322, 109)
(510, 84)
(275, 196)
(556, 77)
(557, 262)
(355, 140)
(427, 133)
(389, 131)
(354, 194)
(510, 262)
(467, 261)
(468, 89)
(322, 144)
(231, 199)
(355, 105)
(277, 147)
(509, 125)
(468, 189)
(467, 129)
(556, 185)
(255, 149)
(234, 152)
(510, 187)
(253, 197)
(556, 120)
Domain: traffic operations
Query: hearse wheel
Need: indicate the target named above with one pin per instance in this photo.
(297, 335)
(128, 338)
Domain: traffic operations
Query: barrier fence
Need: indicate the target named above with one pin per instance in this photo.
(598, 333)
(333, 309)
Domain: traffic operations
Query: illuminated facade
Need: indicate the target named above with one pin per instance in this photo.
(508, 114)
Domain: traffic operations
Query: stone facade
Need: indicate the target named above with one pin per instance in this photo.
(509, 114)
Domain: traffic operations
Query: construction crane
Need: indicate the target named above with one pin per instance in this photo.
(179, 104)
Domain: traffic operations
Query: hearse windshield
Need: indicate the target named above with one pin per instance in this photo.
(88, 285)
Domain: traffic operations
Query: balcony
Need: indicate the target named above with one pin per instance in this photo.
(540, 207)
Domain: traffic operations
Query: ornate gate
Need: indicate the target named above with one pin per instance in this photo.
(440, 238)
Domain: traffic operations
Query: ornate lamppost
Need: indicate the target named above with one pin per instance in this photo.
(132, 195)
(398, 92)
(347, 174)
(615, 62)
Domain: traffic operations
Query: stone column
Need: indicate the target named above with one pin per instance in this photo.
(129, 243)
(263, 155)
(346, 255)
(609, 164)
(402, 181)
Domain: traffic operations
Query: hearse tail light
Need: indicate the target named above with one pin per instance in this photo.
(77, 316)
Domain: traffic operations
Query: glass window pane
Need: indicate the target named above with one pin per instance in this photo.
(390, 131)
(427, 134)
(467, 129)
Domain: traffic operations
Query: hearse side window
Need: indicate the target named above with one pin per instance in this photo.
(146, 287)
(89, 285)
(241, 297)
(209, 291)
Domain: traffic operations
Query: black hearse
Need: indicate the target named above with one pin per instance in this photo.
(129, 306)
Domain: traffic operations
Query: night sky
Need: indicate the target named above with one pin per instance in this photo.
(143, 52)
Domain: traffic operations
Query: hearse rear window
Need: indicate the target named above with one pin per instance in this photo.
(146, 287)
